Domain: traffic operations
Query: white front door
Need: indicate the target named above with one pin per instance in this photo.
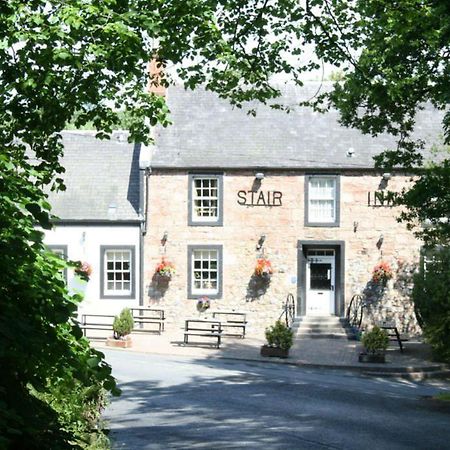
(320, 278)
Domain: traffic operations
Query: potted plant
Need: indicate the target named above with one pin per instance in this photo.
(165, 269)
(203, 304)
(122, 327)
(375, 343)
(381, 273)
(263, 268)
(279, 340)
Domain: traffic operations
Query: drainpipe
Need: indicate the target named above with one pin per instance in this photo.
(144, 174)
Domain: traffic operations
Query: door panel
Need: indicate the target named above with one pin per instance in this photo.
(320, 279)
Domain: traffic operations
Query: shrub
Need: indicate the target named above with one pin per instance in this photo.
(279, 335)
(123, 324)
(375, 341)
(431, 296)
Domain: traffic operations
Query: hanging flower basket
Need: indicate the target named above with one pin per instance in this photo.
(84, 270)
(165, 269)
(263, 268)
(382, 272)
(203, 304)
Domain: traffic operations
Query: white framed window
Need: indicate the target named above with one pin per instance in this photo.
(117, 272)
(322, 200)
(61, 251)
(205, 271)
(205, 199)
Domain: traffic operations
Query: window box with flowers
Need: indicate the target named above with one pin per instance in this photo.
(382, 273)
(165, 270)
(263, 268)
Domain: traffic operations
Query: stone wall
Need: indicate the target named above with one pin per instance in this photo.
(361, 227)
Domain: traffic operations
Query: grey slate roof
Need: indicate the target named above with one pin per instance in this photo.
(207, 132)
(98, 174)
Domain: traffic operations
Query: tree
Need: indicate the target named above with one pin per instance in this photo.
(395, 58)
(432, 300)
(85, 61)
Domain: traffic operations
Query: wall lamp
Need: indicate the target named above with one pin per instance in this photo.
(164, 238)
(259, 175)
(380, 241)
(260, 242)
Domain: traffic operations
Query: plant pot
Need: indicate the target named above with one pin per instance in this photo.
(371, 358)
(276, 352)
(125, 342)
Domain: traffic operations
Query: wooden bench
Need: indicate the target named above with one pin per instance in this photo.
(145, 316)
(102, 322)
(141, 317)
(392, 332)
(234, 321)
(203, 328)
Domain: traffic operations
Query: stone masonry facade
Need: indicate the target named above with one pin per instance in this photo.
(370, 234)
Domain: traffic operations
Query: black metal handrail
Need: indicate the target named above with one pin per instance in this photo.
(288, 311)
(355, 310)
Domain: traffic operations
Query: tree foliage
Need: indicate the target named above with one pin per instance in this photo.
(85, 61)
(431, 297)
(42, 350)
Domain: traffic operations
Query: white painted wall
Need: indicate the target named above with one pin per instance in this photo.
(83, 243)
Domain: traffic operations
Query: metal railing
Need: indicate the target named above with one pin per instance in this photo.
(355, 310)
(288, 312)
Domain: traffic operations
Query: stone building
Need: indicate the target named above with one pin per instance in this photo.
(226, 189)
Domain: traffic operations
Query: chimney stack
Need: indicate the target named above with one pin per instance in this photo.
(156, 71)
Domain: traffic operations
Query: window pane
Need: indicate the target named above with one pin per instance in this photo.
(118, 269)
(204, 271)
(320, 276)
(322, 204)
(205, 198)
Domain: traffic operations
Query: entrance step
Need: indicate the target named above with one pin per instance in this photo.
(321, 327)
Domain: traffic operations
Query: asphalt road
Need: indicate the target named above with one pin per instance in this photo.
(188, 403)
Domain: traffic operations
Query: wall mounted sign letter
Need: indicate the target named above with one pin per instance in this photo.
(251, 198)
(381, 198)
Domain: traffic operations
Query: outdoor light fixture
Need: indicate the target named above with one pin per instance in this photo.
(260, 242)
(164, 238)
(386, 176)
(380, 241)
(259, 175)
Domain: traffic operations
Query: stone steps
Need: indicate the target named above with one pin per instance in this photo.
(321, 327)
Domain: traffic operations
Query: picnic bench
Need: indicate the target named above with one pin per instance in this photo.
(148, 316)
(203, 328)
(141, 318)
(96, 322)
(233, 321)
(392, 332)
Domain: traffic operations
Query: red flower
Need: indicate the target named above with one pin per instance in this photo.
(382, 272)
(165, 268)
(85, 269)
(263, 267)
